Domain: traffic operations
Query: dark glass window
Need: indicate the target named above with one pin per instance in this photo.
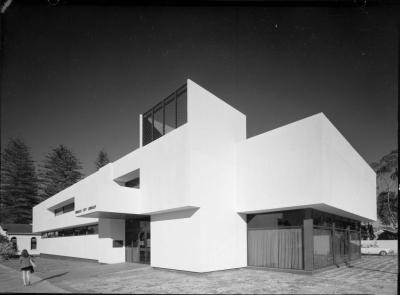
(165, 116)
(181, 107)
(118, 243)
(169, 113)
(135, 183)
(14, 240)
(67, 208)
(276, 219)
(147, 125)
(92, 229)
(58, 211)
(33, 243)
(326, 219)
(76, 231)
(158, 125)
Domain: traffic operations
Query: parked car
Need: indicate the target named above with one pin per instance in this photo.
(374, 249)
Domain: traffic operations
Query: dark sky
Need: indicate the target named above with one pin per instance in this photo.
(81, 75)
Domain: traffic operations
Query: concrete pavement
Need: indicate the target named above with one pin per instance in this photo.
(11, 281)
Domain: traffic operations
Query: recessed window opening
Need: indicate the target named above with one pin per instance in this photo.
(165, 116)
(131, 179)
(33, 243)
(75, 231)
(64, 209)
(135, 183)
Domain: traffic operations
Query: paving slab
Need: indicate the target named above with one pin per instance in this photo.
(11, 282)
(369, 275)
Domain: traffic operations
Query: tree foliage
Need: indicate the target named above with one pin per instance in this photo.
(102, 159)
(367, 232)
(7, 248)
(19, 183)
(59, 170)
(387, 188)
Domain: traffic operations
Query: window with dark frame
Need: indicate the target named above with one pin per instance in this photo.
(118, 243)
(33, 243)
(64, 209)
(76, 231)
(135, 183)
(165, 116)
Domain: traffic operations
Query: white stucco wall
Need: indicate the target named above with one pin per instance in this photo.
(44, 218)
(109, 230)
(24, 242)
(73, 246)
(280, 168)
(349, 183)
(305, 163)
(176, 240)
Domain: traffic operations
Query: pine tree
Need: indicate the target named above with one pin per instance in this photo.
(19, 183)
(102, 159)
(59, 170)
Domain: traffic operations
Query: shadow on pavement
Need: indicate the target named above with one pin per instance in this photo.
(50, 277)
(371, 269)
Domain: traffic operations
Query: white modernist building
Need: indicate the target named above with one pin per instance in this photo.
(209, 198)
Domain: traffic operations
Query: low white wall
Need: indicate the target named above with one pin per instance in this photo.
(391, 244)
(73, 246)
(24, 242)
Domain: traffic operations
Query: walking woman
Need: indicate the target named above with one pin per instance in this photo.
(27, 263)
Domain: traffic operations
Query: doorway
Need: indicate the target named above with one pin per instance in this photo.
(137, 240)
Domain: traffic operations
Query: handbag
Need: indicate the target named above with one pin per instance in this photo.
(32, 263)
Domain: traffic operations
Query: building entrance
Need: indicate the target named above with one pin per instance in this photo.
(137, 240)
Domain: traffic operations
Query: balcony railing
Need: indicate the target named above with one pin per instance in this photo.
(165, 116)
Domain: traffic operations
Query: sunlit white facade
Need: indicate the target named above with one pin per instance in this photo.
(194, 186)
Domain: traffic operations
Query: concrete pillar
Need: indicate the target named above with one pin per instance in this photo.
(308, 243)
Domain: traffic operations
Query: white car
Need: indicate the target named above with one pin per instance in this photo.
(373, 249)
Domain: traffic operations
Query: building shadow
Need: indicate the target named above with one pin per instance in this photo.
(50, 277)
(370, 269)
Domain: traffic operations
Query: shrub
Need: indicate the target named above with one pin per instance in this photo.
(7, 248)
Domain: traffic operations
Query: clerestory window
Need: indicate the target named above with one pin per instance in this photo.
(165, 116)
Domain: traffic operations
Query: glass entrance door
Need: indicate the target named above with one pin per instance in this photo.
(137, 240)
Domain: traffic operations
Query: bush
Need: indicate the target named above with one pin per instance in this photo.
(7, 248)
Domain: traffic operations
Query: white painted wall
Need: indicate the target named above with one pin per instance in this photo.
(214, 130)
(280, 168)
(109, 230)
(176, 240)
(44, 218)
(24, 242)
(307, 162)
(73, 246)
(349, 183)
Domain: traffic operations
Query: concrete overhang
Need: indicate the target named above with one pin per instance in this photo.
(119, 215)
(111, 215)
(321, 207)
(183, 208)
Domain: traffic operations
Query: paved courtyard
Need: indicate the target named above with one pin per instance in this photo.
(370, 275)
